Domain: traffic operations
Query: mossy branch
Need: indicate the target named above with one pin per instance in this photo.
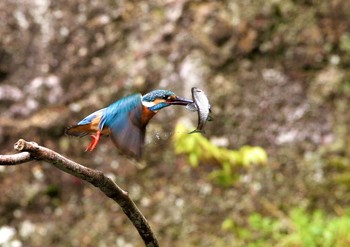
(32, 151)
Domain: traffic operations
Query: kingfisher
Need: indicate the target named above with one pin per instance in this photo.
(125, 120)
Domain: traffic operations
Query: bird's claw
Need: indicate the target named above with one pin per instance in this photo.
(94, 141)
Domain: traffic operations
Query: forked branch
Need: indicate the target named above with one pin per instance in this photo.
(32, 151)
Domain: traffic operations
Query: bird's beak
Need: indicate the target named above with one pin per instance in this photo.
(176, 100)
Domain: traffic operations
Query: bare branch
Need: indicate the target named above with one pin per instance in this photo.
(32, 151)
(15, 159)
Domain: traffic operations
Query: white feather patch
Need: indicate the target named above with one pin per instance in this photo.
(148, 104)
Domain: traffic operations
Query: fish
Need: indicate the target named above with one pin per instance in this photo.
(202, 106)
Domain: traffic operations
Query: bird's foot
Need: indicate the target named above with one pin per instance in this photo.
(94, 141)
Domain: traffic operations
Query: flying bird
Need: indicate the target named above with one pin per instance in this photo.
(125, 120)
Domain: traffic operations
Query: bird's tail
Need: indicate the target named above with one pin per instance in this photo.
(77, 130)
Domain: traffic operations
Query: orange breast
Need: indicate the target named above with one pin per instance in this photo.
(146, 115)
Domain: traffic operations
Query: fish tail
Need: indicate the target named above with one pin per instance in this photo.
(197, 131)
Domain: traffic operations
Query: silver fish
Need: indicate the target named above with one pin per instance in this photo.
(200, 104)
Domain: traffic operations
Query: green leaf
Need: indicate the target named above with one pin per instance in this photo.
(228, 225)
(193, 159)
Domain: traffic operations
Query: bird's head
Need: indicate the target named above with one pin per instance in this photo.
(159, 99)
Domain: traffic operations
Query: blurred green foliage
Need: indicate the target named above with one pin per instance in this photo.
(299, 228)
(345, 42)
(340, 169)
(198, 149)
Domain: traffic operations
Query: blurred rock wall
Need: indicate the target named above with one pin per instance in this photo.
(276, 73)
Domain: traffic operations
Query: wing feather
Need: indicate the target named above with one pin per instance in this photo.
(123, 118)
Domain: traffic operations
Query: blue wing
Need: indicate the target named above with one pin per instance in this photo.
(92, 116)
(123, 118)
